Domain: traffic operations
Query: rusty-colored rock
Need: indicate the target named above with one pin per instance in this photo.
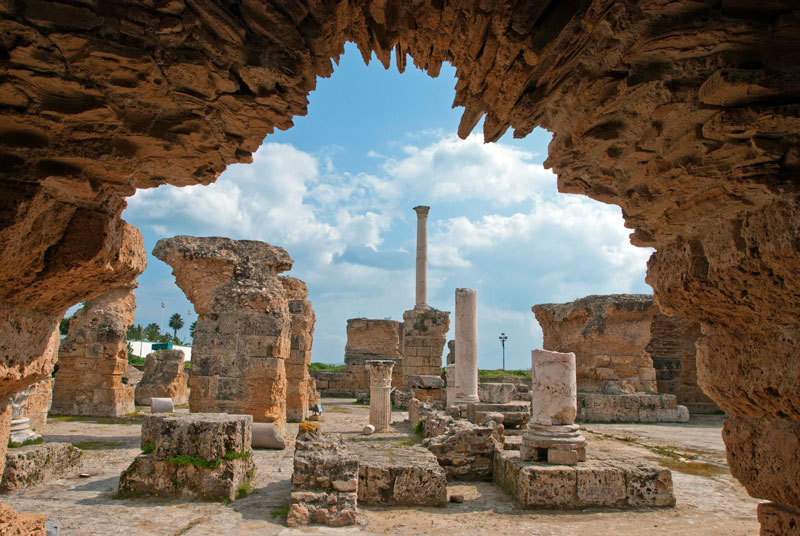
(683, 113)
(242, 336)
(94, 356)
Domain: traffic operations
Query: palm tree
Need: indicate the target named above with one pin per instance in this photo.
(152, 332)
(192, 326)
(176, 323)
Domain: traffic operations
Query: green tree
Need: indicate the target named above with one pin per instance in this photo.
(63, 326)
(152, 332)
(176, 323)
(135, 333)
(192, 326)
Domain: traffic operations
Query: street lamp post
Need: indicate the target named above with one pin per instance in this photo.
(503, 338)
(163, 308)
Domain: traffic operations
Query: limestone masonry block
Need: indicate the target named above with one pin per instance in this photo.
(400, 476)
(30, 465)
(496, 393)
(164, 377)
(553, 390)
(206, 456)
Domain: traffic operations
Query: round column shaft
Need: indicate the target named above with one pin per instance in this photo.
(422, 256)
(466, 346)
(380, 389)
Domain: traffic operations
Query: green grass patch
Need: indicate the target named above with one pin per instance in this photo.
(245, 489)
(281, 511)
(98, 445)
(129, 420)
(324, 366)
(15, 445)
(419, 428)
(136, 360)
(496, 373)
(197, 461)
(236, 455)
(148, 448)
(187, 365)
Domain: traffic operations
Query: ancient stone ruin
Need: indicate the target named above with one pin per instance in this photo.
(94, 356)
(202, 455)
(164, 377)
(681, 113)
(616, 376)
(380, 387)
(300, 394)
(243, 334)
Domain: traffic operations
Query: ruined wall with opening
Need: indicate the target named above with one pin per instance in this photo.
(682, 113)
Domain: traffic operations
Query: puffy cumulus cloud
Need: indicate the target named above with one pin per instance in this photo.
(451, 169)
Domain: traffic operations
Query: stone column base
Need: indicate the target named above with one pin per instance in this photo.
(557, 444)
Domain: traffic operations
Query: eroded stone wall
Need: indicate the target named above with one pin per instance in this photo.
(672, 348)
(682, 113)
(607, 334)
(164, 376)
(424, 337)
(94, 356)
(243, 333)
(300, 394)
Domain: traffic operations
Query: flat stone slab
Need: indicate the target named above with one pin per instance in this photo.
(399, 476)
(590, 484)
(496, 393)
(207, 435)
(34, 464)
(515, 414)
(637, 407)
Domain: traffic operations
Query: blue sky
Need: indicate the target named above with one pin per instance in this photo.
(337, 192)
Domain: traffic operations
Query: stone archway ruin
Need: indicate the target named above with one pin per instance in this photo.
(683, 113)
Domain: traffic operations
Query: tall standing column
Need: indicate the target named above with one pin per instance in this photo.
(422, 256)
(466, 346)
(380, 389)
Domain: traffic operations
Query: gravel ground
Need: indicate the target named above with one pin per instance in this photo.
(709, 500)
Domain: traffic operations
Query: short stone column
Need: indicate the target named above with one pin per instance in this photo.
(21, 430)
(450, 372)
(422, 256)
(466, 346)
(552, 434)
(380, 389)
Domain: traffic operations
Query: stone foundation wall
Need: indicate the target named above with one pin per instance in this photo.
(94, 356)
(636, 407)
(672, 348)
(424, 338)
(608, 335)
(164, 376)
(34, 464)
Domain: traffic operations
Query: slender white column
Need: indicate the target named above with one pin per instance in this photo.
(422, 256)
(466, 346)
(380, 389)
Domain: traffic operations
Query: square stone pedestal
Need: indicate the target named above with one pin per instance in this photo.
(200, 455)
(593, 484)
(400, 476)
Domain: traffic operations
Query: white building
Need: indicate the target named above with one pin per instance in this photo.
(142, 348)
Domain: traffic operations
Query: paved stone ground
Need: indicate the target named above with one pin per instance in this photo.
(710, 501)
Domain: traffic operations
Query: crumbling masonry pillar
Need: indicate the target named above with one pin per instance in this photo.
(380, 389)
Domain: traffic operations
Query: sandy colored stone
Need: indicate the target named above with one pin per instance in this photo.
(466, 333)
(607, 334)
(40, 398)
(31, 465)
(398, 476)
(496, 393)
(243, 334)
(300, 394)
(207, 435)
(20, 523)
(94, 356)
(164, 377)
(681, 113)
(424, 337)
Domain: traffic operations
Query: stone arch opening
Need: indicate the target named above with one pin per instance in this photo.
(684, 114)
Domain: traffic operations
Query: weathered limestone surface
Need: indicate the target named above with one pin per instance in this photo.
(672, 348)
(515, 414)
(369, 339)
(242, 337)
(299, 393)
(94, 356)
(682, 113)
(424, 337)
(199, 455)
(380, 387)
(34, 464)
(425, 388)
(399, 476)
(466, 331)
(40, 398)
(593, 484)
(496, 393)
(422, 257)
(635, 407)
(521, 384)
(21, 524)
(607, 334)
(164, 377)
(324, 481)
